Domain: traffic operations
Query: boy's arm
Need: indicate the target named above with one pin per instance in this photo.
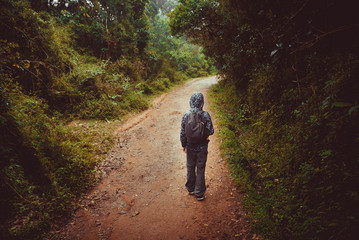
(209, 125)
(183, 132)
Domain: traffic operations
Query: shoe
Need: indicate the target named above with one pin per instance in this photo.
(200, 198)
(191, 193)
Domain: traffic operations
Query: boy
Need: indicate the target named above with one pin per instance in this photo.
(196, 151)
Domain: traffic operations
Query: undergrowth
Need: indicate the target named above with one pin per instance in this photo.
(289, 193)
(45, 167)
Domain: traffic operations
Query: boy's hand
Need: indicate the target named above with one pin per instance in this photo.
(184, 150)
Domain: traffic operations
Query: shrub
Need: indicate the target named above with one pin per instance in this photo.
(45, 167)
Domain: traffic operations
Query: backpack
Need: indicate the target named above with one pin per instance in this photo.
(195, 128)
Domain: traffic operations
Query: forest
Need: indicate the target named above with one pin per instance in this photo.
(69, 60)
(287, 103)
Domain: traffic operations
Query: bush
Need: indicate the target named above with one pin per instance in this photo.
(293, 170)
(45, 167)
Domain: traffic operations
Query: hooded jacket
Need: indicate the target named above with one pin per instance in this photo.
(196, 103)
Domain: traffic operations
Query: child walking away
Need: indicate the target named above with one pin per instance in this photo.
(196, 127)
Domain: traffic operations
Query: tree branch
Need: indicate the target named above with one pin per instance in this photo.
(299, 10)
(26, 200)
(312, 42)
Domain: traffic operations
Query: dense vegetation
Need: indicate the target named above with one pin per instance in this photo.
(67, 60)
(289, 103)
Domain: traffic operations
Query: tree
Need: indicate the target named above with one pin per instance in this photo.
(294, 65)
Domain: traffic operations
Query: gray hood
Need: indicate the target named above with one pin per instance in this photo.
(196, 102)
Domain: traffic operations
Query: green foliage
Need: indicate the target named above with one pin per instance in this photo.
(44, 166)
(294, 189)
(108, 29)
(65, 61)
(292, 67)
(176, 53)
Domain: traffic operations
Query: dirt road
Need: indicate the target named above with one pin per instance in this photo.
(142, 195)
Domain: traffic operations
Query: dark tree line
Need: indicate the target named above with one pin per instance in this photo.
(291, 69)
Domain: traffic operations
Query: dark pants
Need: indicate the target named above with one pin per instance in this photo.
(195, 179)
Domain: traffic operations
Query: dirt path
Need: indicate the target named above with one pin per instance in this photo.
(142, 195)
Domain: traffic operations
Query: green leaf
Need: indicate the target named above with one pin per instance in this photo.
(352, 109)
(341, 104)
(326, 153)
